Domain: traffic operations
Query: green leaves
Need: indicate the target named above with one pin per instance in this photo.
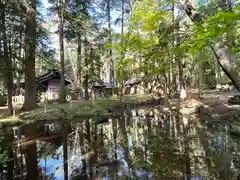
(146, 41)
(213, 28)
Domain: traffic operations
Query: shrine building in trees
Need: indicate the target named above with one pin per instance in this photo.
(45, 83)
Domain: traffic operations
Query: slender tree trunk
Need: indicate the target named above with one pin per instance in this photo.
(91, 62)
(179, 60)
(74, 70)
(122, 45)
(30, 101)
(86, 78)
(61, 44)
(21, 57)
(79, 60)
(217, 73)
(111, 74)
(10, 163)
(200, 75)
(6, 60)
(171, 72)
(10, 80)
(30, 132)
(65, 149)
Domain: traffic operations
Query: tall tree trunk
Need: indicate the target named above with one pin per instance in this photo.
(10, 163)
(61, 44)
(179, 60)
(122, 45)
(9, 74)
(122, 29)
(86, 78)
(21, 57)
(111, 74)
(65, 149)
(171, 72)
(217, 72)
(91, 62)
(6, 60)
(30, 101)
(30, 132)
(79, 59)
(200, 75)
(74, 70)
(223, 56)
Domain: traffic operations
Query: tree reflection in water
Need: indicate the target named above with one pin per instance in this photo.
(142, 143)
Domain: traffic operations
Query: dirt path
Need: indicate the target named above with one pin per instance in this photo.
(215, 106)
(4, 110)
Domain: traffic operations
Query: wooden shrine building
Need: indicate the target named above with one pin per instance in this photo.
(46, 83)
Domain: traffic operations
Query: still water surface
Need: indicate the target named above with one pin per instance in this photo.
(140, 144)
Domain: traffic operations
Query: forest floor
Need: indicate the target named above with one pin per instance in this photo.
(76, 109)
(213, 106)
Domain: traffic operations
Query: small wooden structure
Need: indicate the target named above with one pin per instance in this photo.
(102, 89)
(99, 89)
(131, 86)
(50, 82)
(47, 85)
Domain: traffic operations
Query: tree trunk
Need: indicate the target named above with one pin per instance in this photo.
(79, 60)
(217, 72)
(74, 70)
(86, 78)
(30, 132)
(65, 149)
(21, 56)
(61, 44)
(9, 79)
(200, 75)
(10, 163)
(91, 58)
(182, 87)
(111, 75)
(223, 56)
(121, 88)
(171, 72)
(6, 60)
(30, 101)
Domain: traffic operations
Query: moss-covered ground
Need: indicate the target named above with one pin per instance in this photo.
(78, 109)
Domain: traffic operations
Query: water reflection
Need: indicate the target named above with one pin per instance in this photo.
(141, 144)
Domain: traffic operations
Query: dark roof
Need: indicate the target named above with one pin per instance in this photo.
(51, 74)
(101, 83)
(133, 81)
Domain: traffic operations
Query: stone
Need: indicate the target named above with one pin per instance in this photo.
(235, 100)
(235, 129)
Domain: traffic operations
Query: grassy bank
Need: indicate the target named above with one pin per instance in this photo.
(70, 111)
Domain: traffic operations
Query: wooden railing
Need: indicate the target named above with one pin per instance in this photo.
(44, 97)
(18, 99)
(48, 96)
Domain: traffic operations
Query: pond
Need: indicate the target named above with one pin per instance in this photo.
(141, 143)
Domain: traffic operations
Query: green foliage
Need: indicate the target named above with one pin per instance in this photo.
(145, 43)
(3, 152)
(123, 67)
(212, 30)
